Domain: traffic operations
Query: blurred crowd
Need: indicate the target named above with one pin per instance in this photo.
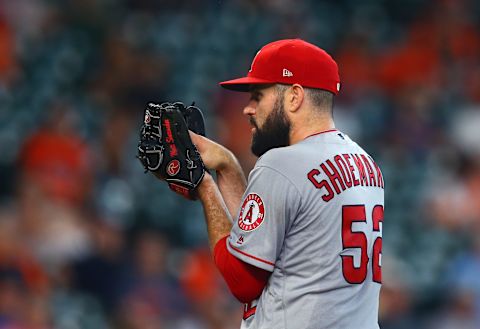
(87, 240)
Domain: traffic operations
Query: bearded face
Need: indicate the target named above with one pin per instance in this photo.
(275, 131)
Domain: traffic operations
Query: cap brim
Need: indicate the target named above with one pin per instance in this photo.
(243, 84)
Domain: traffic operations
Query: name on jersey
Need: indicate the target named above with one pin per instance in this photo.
(345, 171)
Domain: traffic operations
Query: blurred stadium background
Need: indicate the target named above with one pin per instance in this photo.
(87, 240)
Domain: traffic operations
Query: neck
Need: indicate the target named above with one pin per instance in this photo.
(299, 132)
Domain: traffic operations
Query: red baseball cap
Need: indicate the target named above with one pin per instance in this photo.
(290, 61)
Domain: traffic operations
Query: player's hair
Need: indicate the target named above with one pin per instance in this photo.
(321, 99)
(280, 89)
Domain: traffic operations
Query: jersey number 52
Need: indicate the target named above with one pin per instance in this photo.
(351, 239)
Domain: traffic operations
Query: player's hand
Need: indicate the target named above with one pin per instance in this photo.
(215, 156)
(166, 149)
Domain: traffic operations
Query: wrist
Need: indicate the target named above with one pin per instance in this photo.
(205, 187)
(229, 162)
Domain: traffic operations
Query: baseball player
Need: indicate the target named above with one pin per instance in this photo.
(301, 243)
(304, 247)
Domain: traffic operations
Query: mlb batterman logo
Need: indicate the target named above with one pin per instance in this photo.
(252, 212)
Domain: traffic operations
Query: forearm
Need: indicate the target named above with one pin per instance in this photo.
(232, 184)
(230, 177)
(217, 216)
(245, 281)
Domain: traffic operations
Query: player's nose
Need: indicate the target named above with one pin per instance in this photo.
(249, 109)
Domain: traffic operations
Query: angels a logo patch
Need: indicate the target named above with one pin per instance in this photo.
(173, 167)
(252, 213)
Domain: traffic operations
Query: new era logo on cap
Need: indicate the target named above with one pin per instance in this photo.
(313, 67)
(287, 73)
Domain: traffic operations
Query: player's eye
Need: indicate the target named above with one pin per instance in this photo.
(255, 96)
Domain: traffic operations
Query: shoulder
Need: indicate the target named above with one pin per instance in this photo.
(280, 168)
(278, 158)
(276, 167)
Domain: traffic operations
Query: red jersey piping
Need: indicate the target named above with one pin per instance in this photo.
(322, 132)
(251, 256)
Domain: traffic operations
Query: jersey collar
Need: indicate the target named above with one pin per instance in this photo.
(321, 132)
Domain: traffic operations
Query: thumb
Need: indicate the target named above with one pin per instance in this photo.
(196, 139)
(193, 136)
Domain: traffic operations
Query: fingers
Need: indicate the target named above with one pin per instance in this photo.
(207, 148)
(197, 140)
(214, 155)
(194, 136)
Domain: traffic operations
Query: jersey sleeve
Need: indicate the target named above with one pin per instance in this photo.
(269, 204)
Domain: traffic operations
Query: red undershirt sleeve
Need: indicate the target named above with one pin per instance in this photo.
(245, 281)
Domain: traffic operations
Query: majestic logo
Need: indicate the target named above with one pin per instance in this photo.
(252, 213)
(287, 73)
(240, 240)
(173, 167)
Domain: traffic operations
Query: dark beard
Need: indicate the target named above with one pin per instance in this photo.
(275, 132)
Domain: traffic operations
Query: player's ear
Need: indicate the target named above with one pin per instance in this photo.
(294, 97)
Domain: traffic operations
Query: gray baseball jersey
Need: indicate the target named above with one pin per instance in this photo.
(312, 215)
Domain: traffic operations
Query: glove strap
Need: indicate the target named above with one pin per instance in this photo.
(180, 190)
